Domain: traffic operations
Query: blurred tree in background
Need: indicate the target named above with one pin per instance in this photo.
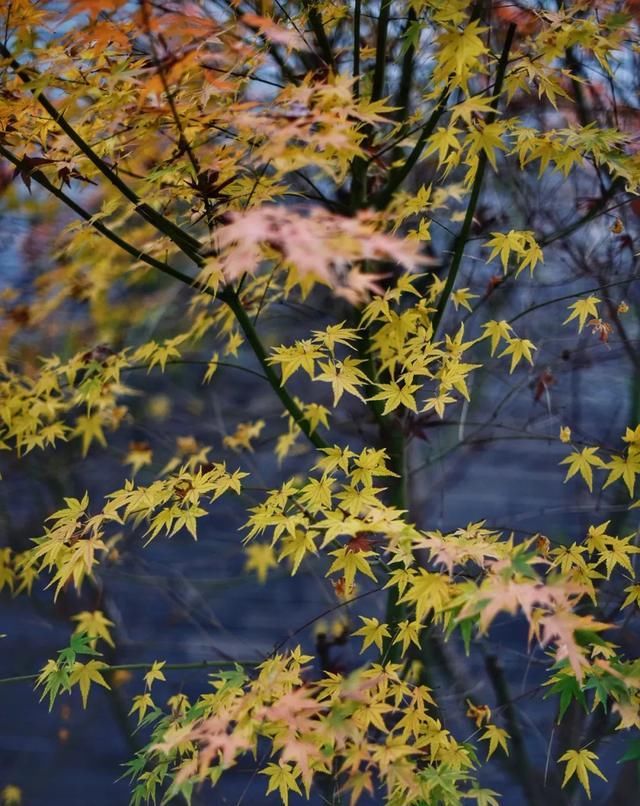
(345, 291)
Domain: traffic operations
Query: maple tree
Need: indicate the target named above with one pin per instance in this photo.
(205, 165)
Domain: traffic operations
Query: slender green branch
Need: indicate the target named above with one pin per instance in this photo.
(392, 439)
(245, 76)
(377, 88)
(358, 193)
(231, 298)
(463, 236)
(364, 352)
(316, 618)
(133, 667)
(394, 442)
(460, 243)
(183, 143)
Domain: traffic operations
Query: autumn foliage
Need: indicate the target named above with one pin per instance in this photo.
(373, 168)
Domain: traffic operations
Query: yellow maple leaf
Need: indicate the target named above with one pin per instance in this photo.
(497, 737)
(86, 673)
(344, 376)
(350, 562)
(89, 428)
(496, 331)
(582, 309)
(138, 456)
(11, 795)
(624, 467)
(244, 433)
(281, 777)
(582, 462)
(95, 624)
(154, 673)
(260, 558)
(141, 704)
(396, 395)
(518, 349)
(461, 297)
(408, 633)
(580, 763)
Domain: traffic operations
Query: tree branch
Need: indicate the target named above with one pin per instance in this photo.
(398, 175)
(187, 243)
(227, 295)
(463, 236)
(381, 51)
